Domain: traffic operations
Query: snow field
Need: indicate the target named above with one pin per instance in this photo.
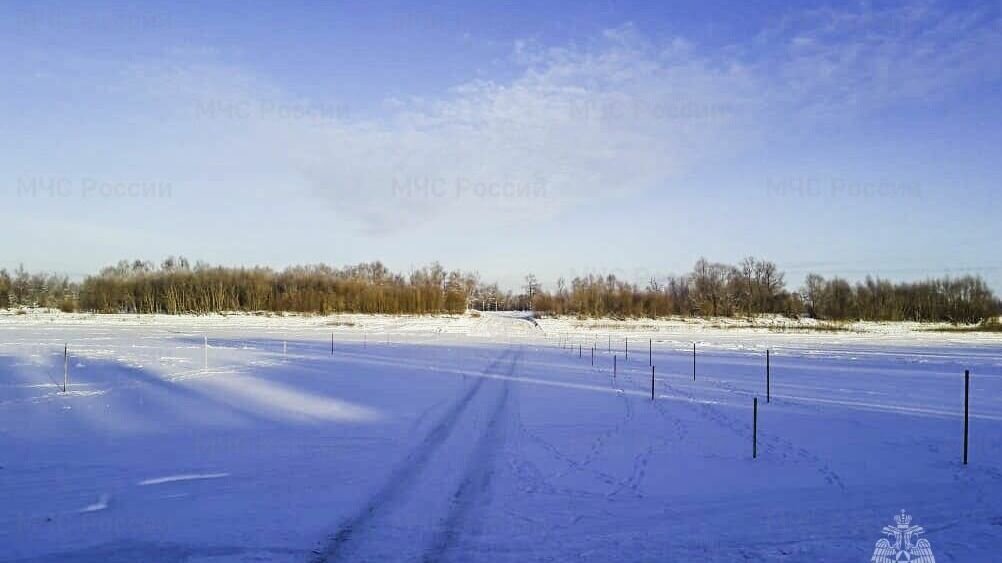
(486, 439)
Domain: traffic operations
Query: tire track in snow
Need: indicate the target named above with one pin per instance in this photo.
(478, 476)
(401, 478)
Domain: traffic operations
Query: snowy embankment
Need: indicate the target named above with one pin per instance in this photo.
(524, 325)
(488, 438)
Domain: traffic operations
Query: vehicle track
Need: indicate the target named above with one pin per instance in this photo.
(476, 482)
(338, 545)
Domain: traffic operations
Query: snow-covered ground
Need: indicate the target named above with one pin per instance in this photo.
(488, 438)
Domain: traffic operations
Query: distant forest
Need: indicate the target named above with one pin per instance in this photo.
(711, 289)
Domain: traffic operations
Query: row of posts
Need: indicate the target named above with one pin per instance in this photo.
(615, 369)
(768, 386)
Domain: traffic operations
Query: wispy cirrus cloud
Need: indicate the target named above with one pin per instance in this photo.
(842, 60)
(577, 126)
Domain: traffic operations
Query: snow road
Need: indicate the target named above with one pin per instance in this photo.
(485, 439)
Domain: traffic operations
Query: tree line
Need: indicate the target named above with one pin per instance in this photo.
(23, 289)
(711, 289)
(756, 287)
(177, 287)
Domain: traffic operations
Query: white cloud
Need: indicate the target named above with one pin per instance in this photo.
(840, 61)
(576, 128)
(579, 125)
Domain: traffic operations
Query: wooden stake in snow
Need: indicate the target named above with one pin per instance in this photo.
(694, 361)
(615, 360)
(768, 384)
(592, 355)
(332, 344)
(579, 350)
(66, 365)
(754, 428)
(967, 403)
(652, 383)
(627, 341)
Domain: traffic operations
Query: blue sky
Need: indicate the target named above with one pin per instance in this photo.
(561, 139)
